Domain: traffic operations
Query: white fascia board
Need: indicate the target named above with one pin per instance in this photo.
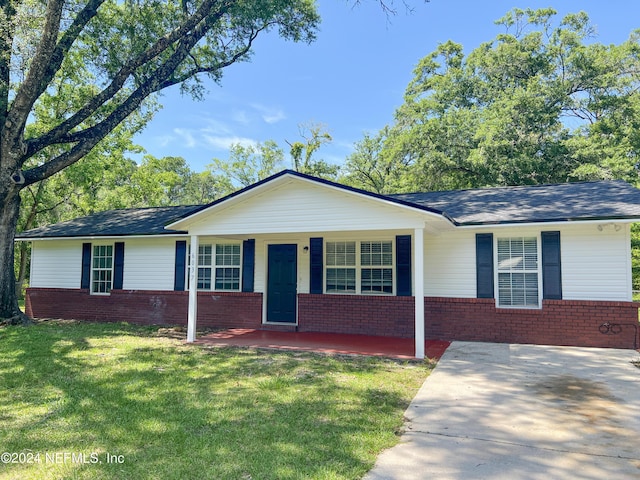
(493, 226)
(102, 237)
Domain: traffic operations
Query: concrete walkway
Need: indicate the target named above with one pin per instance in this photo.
(499, 411)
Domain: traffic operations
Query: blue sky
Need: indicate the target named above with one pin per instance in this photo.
(351, 79)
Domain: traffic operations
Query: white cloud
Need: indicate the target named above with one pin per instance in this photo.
(212, 134)
(163, 140)
(187, 137)
(270, 115)
(225, 142)
(215, 127)
(240, 116)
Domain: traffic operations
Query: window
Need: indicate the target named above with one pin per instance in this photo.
(102, 269)
(341, 262)
(204, 266)
(369, 271)
(227, 267)
(376, 259)
(518, 272)
(220, 269)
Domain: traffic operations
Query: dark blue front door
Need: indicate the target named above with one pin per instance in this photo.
(282, 274)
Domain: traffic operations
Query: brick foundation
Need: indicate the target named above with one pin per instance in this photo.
(363, 314)
(219, 309)
(559, 322)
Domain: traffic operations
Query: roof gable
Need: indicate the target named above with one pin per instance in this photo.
(272, 186)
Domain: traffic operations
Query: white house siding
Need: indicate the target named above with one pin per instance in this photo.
(56, 264)
(149, 263)
(305, 207)
(450, 265)
(596, 264)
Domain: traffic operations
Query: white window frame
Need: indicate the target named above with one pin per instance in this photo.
(359, 267)
(217, 266)
(213, 266)
(537, 271)
(109, 269)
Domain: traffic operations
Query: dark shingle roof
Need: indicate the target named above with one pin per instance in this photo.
(603, 200)
(539, 203)
(131, 221)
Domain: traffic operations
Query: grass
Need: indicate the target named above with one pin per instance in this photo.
(171, 411)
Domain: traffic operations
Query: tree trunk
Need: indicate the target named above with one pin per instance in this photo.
(9, 210)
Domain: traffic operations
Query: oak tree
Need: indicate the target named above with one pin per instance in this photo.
(117, 54)
(542, 102)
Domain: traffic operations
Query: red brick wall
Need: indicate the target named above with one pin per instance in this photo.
(559, 322)
(229, 309)
(360, 314)
(219, 309)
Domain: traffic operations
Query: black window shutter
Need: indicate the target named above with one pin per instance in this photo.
(248, 264)
(118, 265)
(85, 279)
(484, 265)
(180, 266)
(403, 265)
(551, 266)
(316, 260)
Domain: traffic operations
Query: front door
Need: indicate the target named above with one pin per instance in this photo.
(282, 275)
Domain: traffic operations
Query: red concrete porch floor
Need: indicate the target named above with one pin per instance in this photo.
(328, 343)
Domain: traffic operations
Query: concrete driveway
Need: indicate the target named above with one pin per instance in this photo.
(500, 411)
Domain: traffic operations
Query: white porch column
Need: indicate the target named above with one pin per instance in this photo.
(418, 287)
(193, 290)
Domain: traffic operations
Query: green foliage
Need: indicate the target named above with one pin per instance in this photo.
(184, 412)
(250, 164)
(302, 152)
(540, 103)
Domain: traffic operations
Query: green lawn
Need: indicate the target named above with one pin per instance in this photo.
(159, 409)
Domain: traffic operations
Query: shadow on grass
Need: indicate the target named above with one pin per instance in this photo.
(176, 411)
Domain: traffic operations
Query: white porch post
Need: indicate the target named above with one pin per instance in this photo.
(418, 286)
(193, 290)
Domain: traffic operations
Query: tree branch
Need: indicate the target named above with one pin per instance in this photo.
(218, 66)
(89, 138)
(57, 134)
(29, 91)
(6, 41)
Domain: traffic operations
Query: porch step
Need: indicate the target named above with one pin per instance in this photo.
(280, 328)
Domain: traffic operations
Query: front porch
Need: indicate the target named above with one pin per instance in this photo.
(326, 343)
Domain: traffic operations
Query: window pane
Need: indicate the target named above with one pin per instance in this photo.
(379, 280)
(518, 271)
(228, 254)
(530, 254)
(341, 280)
(340, 253)
(205, 254)
(227, 278)
(204, 278)
(376, 254)
(102, 265)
